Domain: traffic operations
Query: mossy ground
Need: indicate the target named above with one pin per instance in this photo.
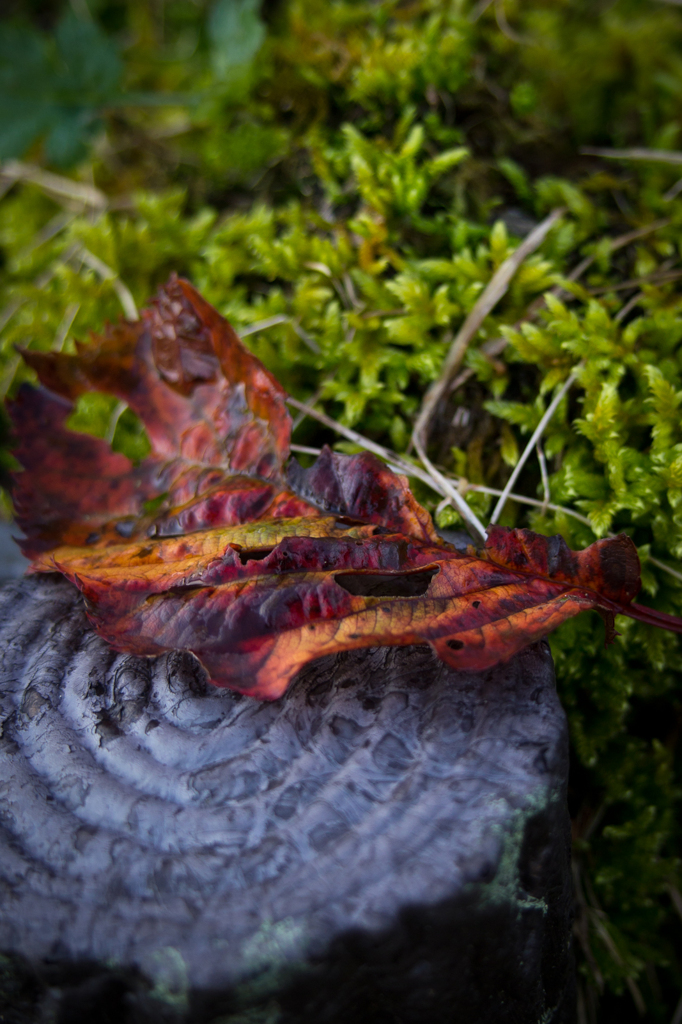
(354, 171)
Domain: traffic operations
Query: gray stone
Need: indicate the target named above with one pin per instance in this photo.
(12, 562)
(387, 843)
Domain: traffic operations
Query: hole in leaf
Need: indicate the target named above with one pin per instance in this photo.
(386, 584)
(151, 506)
(255, 555)
(184, 591)
(92, 413)
(455, 645)
(477, 604)
(126, 527)
(130, 437)
(107, 417)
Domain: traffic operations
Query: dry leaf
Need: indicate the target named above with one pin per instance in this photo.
(254, 571)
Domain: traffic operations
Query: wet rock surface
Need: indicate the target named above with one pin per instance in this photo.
(388, 842)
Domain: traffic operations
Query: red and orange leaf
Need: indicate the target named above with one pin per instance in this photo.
(216, 420)
(257, 573)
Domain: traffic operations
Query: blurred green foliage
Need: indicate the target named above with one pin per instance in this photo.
(55, 88)
(341, 180)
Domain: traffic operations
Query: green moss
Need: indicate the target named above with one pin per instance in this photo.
(343, 191)
(506, 886)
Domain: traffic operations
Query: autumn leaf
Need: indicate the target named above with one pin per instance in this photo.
(254, 566)
(216, 420)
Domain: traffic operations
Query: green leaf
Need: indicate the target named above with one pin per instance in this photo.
(447, 159)
(509, 447)
(66, 142)
(516, 176)
(55, 88)
(236, 33)
(92, 66)
(24, 69)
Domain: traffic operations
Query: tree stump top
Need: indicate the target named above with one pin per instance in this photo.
(216, 844)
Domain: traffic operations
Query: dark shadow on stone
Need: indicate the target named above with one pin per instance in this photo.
(498, 954)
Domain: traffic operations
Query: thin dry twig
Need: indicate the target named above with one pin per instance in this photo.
(665, 156)
(443, 485)
(619, 242)
(496, 346)
(5, 185)
(504, 26)
(673, 192)
(666, 568)
(8, 376)
(628, 307)
(342, 286)
(535, 502)
(491, 295)
(658, 277)
(637, 298)
(305, 449)
(383, 312)
(480, 9)
(364, 442)
(312, 401)
(262, 325)
(107, 274)
(274, 321)
(544, 475)
(12, 307)
(451, 491)
(41, 281)
(54, 184)
(633, 236)
(537, 434)
(48, 232)
(464, 486)
(116, 414)
(306, 338)
(70, 314)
